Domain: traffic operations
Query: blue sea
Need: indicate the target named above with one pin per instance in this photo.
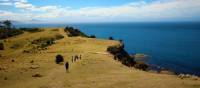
(171, 45)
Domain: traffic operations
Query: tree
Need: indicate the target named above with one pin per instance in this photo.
(7, 24)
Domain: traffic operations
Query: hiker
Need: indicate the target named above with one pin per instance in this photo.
(67, 66)
(76, 57)
(72, 59)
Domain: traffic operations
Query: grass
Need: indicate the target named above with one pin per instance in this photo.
(92, 71)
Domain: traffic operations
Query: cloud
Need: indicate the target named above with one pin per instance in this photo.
(6, 3)
(4, 0)
(182, 10)
(23, 5)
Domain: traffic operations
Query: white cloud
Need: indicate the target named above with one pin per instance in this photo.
(6, 3)
(20, 1)
(23, 5)
(135, 11)
(6, 15)
(4, 0)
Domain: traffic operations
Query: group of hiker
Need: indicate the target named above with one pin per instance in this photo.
(73, 59)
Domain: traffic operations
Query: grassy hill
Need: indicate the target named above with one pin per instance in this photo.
(96, 69)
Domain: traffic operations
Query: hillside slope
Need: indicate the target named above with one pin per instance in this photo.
(96, 69)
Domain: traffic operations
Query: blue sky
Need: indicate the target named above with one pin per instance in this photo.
(62, 11)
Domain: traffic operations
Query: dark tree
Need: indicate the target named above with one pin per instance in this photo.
(7, 24)
(1, 25)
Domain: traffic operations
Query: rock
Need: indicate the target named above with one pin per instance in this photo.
(37, 75)
(182, 76)
(140, 56)
(141, 65)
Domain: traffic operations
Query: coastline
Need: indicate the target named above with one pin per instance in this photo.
(142, 58)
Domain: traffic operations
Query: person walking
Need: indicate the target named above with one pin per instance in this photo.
(67, 66)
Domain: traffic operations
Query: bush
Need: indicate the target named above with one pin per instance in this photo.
(7, 30)
(59, 37)
(74, 32)
(46, 41)
(1, 46)
(121, 55)
(31, 30)
(59, 59)
(114, 49)
(15, 46)
(43, 42)
(141, 65)
(92, 36)
(4, 33)
(110, 38)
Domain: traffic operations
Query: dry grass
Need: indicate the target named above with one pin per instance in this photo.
(92, 71)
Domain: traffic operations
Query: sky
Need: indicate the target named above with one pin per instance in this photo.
(68, 11)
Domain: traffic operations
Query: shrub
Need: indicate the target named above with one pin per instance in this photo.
(110, 38)
(46, 41)
(74, 32)
(120, 54)
(4, 33)
(31, 30)
(7, 30)
(141, 65)
(59, 59)
(1, 46)
(15, 46)
(43, 42)
(92, 36)
(114, 49)
(59, 37)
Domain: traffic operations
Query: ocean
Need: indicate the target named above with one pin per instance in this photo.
(170, 45)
